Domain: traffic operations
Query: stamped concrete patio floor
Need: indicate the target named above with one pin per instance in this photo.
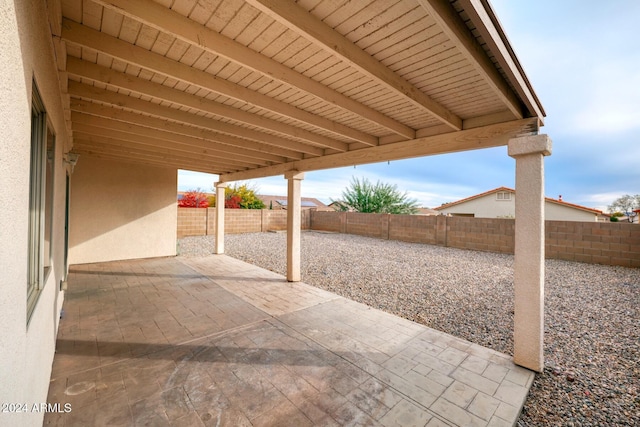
(215, 341)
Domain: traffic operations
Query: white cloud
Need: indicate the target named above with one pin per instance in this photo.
(612, 100)
(189, 180)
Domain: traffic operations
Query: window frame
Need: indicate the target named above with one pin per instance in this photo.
(41, 189)
(503, 196)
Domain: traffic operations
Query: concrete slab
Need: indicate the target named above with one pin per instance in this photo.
(216, 341)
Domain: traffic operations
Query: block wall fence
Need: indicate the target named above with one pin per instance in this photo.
(201, 221)
(590, 242)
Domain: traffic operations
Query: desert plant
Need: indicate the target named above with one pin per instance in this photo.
(362, 196)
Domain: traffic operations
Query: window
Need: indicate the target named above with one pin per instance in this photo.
(40, 200)
(503, 195)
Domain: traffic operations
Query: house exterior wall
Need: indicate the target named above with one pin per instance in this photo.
(490, 207)
(121, 211)
(485, 207)
(27, 348)
(556, 212)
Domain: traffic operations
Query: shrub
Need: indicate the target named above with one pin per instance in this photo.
(363, 196)
(193, 199)
(247, 196)
(232, 202)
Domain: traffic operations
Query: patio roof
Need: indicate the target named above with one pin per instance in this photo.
(254, 88)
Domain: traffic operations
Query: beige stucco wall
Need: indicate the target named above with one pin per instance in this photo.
(485, 207)
(26, 350)
(121, 211)
(556, 212)
(489, 207)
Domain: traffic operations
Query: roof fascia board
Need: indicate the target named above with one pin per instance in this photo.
(451, 24)
(489, 27)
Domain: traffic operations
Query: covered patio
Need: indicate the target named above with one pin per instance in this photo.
(215, 341)
(105, 100)
(258, 88)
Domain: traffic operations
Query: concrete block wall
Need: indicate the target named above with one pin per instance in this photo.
(370, 225)
(242, 221)
(329, 221)
(201, 221)
(591, 242)
(594, 242)
(481, 234)
(192, 222)
(274, 220)
(413, 228)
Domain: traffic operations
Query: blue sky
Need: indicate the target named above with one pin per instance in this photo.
(583, 60)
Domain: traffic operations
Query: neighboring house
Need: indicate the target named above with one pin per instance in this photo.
(280, 202)
(501, 203)
(634, 219)
(334, 206)
(427, 212)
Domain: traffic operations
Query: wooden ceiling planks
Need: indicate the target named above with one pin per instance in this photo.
(298, 80)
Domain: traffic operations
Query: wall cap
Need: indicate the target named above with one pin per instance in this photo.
(533, 144)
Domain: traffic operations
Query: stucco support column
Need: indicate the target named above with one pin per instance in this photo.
(529, 152)
(293, 225)
(220, 188)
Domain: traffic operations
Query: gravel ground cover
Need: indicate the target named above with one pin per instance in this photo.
(592, 341)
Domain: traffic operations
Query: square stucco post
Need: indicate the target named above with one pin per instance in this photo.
(529, 152)
(293, 225)
(220, 188)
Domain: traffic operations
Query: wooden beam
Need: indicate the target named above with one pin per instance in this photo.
(448, 20)
(117, 148)
(54, 12)
(158, 138)
(131, 103)
(162, 19)
(293, 16)
(118, 143)
(472, 139)
(251, 148)
(87, 150)
(105, 75)
(116, 48)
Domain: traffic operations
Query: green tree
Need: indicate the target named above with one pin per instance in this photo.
(626, 204)
(363, 196)
(242, 195)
